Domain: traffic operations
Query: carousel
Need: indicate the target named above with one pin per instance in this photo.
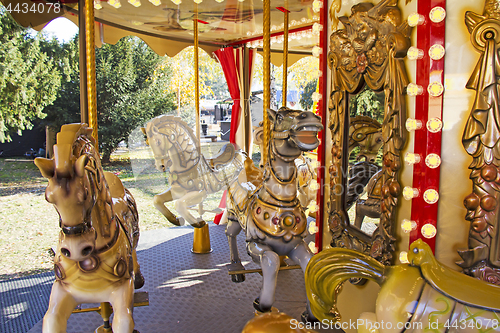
(390, 225)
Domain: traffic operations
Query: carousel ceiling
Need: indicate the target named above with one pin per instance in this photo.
(167, 25)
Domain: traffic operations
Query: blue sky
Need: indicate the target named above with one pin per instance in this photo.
(62, 28)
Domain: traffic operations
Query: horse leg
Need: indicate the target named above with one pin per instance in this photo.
(61, 306)
(233, 228)
(122, 300)
(270, 264)
(138, 277)
(302, 255)
(159, 201)
(360, 215)
(188, 200)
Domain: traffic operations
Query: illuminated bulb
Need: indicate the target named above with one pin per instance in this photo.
(435, 89)
(410, 192)
(436, 52)
(135, 3)
(316, 96)
(408, 225)
(403, 257)
(313, 207)
(197, 1)
(411, 158)
(434, 125)
(313, 248)
(437, 14)
(136, 23)
(177, 2)
(317, 5)
(428, 230)
(433, 161)
(97, 4)
(316, 51)
(415, 19)
(312, 228)
(431, 196)
(413, 124)
(414, 89)
(155, 2)
(316, 28)
(414, 53)
(115, 3)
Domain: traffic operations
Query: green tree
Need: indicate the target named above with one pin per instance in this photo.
(306, 101)
(29, 81)
(367, 103)
(128, 91)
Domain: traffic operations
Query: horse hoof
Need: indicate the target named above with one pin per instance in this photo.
(180, 222)
(199, 224)
(237, 278)
(138, 280)
(259, 308)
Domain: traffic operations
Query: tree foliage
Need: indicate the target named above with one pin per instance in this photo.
(29, 81)
(306, 101)
(367, 103)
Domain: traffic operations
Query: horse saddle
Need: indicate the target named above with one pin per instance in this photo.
(225, 155)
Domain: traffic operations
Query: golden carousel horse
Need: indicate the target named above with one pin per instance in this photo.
(192, 177)
(95, 260)
(422, 296)
(267, 207)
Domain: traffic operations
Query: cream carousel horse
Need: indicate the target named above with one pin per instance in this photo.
(270, 212)
(424, 296)
(192, 177)
(95, 260)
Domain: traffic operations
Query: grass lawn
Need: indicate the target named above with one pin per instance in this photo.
(29, 224)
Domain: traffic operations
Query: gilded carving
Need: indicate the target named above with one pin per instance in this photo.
(481, 141)
(368, 50)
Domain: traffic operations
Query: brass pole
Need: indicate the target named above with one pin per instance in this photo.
(196, 77)
(88, 100)
(285, 58)
(266, 38)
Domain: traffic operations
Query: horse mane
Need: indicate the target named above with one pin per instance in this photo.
(165, 121)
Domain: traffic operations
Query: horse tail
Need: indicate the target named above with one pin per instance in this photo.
(328, 270)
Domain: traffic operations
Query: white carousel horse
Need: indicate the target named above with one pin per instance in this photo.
(192, 177)
(423, 296)
(270, 212)
(95, 260)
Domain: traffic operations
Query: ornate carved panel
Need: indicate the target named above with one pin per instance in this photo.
(368, 50)
(481, 141)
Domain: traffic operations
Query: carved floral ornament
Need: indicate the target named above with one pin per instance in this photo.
(481, 141)
(368, 49)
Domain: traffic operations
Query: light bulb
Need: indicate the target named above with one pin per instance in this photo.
(313, 248)
(414, 89)
(316, 96)
(313, 207)
(433, 161)
(434, 125)
(135, 3)
(97, 4)
(414, 53)
(410, 192)
(115, 3)
(317, 5)
(411, 158)
(435, 89)
(316, 51)
(403, 257)
(413, 124)
(437, 14)
(428, 230)
(415, 19)
(313, 228)
(431, 196)
(436, 52)
(313, 185)
(408, 225)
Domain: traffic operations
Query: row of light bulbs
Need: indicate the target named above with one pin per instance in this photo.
(310, 33)
(434, 125)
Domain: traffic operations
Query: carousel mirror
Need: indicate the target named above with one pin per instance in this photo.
(366, 114)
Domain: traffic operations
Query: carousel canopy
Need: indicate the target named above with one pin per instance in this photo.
(167, 25)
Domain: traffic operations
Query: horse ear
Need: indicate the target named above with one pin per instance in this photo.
(143, 129)
(80, 164)
(272, 114)
(46, 167)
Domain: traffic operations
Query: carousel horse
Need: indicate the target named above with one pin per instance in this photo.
(96, 259)
(268, 208)
(422, 296)
(192, 177)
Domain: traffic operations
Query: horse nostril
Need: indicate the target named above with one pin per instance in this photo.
(65, 252)
(87, 250)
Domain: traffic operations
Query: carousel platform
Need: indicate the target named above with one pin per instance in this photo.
(187, 292)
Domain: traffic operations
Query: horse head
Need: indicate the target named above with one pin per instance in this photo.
(294, 131)
(69, 190)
